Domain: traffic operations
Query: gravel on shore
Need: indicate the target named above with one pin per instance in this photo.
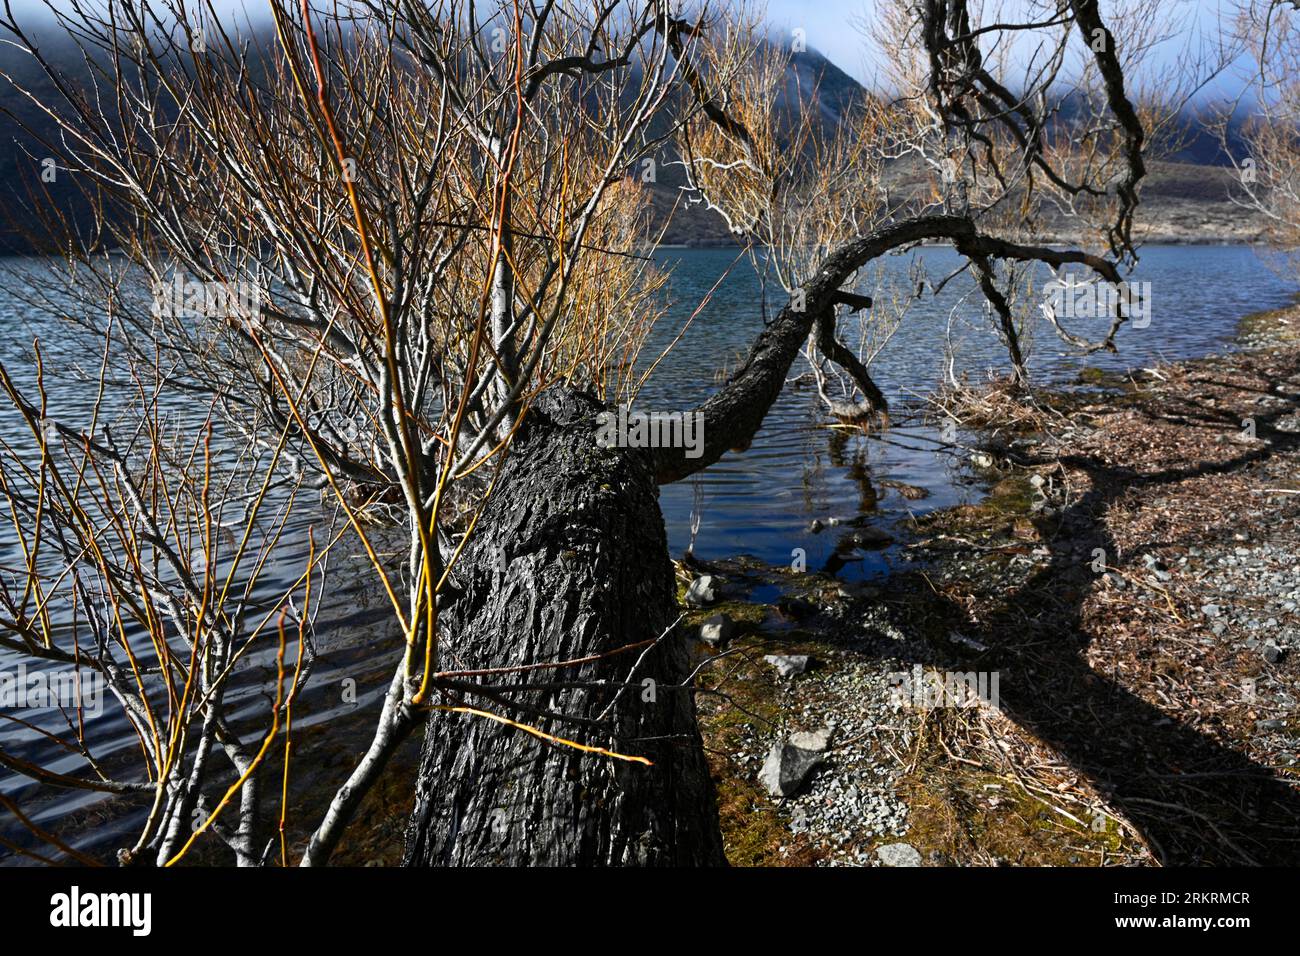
(1132, 580)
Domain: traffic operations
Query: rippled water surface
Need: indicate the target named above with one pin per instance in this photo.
(762, 502)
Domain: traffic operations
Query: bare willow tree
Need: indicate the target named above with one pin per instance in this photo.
(1015, 122)
(428, 204)
(1269, 166)
(430, 201)
(140, 571)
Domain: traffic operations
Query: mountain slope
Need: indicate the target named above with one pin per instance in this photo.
(1185, 201)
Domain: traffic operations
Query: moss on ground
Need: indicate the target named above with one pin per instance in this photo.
(1011, 496)
(962, 813)
(753, 832)
(745, 615)
(1280, 326)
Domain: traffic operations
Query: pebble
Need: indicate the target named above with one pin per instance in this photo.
(717, 629)
(701, 592)
(898, 854)
(788, 665)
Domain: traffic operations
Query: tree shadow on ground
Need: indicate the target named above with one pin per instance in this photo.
(1194, 800)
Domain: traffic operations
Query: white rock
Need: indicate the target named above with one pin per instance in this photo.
(786, 768)
(716, 629)
(787, 665)
(970, 642)
(815, 741)
(701, 592)
(898, 854)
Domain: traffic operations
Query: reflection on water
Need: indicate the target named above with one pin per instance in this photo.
(762, 502)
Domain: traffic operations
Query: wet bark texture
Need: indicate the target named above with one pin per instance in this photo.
(568, 560)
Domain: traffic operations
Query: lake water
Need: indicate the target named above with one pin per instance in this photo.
(759, 502)
(763, 501)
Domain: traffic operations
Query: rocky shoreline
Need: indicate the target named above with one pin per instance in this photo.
(1130, 582)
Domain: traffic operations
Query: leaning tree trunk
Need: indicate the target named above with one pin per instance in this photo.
(569, 560)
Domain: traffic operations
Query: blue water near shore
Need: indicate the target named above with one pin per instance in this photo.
(762, 501)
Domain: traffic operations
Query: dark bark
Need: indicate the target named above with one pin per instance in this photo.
(586, 571)
(1007, 323)
(735, 412)
(875, 401)
(1087, 15)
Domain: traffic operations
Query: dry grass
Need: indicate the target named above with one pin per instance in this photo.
(1119, 700)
